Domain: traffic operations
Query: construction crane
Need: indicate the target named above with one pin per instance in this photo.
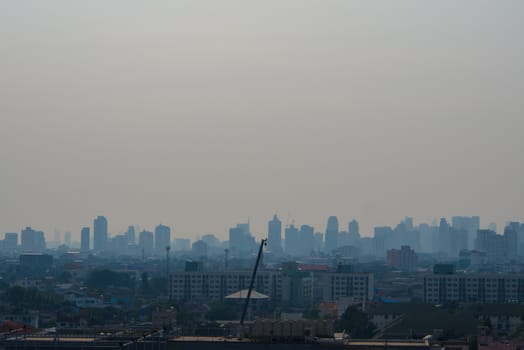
(263, 243)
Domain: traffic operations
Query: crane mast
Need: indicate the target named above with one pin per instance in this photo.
(263, 242)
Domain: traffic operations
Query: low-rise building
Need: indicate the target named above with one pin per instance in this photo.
(474, 288)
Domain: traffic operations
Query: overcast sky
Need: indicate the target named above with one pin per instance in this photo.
(200, 114)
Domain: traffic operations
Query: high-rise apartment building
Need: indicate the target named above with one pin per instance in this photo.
(306, 240)
(67, 238)
(470, 224)
(145, 243)
(354, 232)
(131, 239)
(240, 240)
(100, 235)
(274, 235)
(84, 239)
(331, 235)
(32, 241)
(292, 241)
(162, 239)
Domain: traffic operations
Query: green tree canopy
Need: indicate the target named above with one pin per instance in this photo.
(356, 323)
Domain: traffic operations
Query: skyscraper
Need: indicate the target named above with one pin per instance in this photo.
(162, 239)
(33, 241)
(292, 241)
(470, 224)
(11, 242)
(240, 240)
(331, 235)
(131, 235)
(306, 240)
(145, 243)
(100, 234)
(67, 239)
(354, 232)
(274, 234)
(84, 239)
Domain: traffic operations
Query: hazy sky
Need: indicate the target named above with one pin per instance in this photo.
(200, 114)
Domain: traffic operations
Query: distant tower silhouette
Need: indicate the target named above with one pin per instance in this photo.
(274, 229)
(100, 234)
(226, 258)
(168, 248)
(331, 234)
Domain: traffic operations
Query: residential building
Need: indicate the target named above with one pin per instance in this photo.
(145, 243)
(331, 235)
(84, 239)
(162, 239)
(100, 234)
(474, 288)
(274, 235)
(404, 259)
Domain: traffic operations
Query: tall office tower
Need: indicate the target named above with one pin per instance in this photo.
(119, 244)
(318, 245)
(236, 239)
(240, 240)
(307, 240)
(343, 239)
(408, 223)
(11, 242)
(444, 237)
(162, 239)
(511, 242)
(67, 239)
(519, 228)
(131, 235)
(292, 240)
(28, 237)
(354, 232)
(331, 235)
(33, 241)
(145, 243)
(382, 240)
(470, 224)
(100, 234)
(274, 234)
(40, 241)
(84, 239)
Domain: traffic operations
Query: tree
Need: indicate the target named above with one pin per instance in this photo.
(356, 323)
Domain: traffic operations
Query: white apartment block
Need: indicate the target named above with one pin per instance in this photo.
(334, 286)
(319, 286)
(474, 288)
(217, 285)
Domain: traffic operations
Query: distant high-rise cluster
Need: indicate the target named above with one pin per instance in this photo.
(459, 238)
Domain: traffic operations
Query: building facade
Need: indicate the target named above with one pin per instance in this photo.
(84, 239)
(274, 235)
(100, 234)
(162, 239)
(316, 287)
(474, 288)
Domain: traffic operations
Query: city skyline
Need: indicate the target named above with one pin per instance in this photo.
(338, 225)
(204, 114)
